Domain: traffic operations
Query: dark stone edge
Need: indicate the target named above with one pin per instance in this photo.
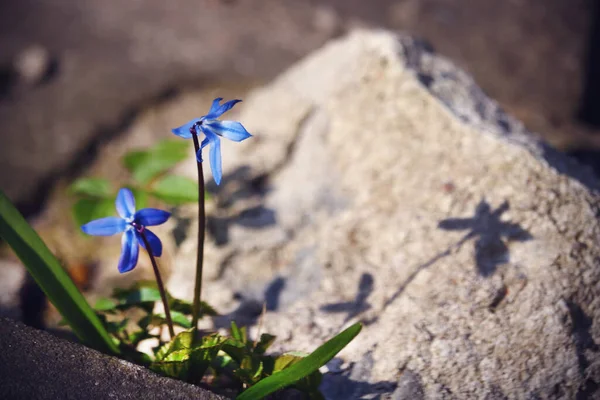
(461, 95)
(37, 365)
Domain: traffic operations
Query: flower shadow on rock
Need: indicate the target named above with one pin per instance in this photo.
(352, 382)
(250, 309)
(366, 286)
(239, 201)
(490, 234)
(273, 293)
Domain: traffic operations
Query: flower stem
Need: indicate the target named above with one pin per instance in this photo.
(201, 229)
(159, 282)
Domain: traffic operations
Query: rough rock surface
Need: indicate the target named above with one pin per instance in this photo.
(37, 365)
(383, 186)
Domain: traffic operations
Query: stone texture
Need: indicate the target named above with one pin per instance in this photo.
(37, 365)
(383, 186)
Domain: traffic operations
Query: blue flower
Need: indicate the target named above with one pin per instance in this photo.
(213, 130)
(132, 224)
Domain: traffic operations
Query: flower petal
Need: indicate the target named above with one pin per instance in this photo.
(205, 142)
(229, 129)
(217, 110)
(202, 145)
(129, 251)
(214, 108)
(184, 131)
(153, 241)
(125, 203)
(151, 216)
(105, 226)
(215, 158)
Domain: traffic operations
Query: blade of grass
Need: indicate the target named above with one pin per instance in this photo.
(52, 278)
(302, 368)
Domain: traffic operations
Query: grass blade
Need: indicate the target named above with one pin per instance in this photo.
(52, 278)
(302, 368)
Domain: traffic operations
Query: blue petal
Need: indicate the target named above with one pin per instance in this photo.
(202, 145)
(184, 130)
(229, 129)
(151, 216)
(214, 108)
(214, 155)
(217, 110)
(129, 251)
(125, 203)
(105, 226)
(153, 241)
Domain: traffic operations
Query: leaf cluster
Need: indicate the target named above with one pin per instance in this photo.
(129, 316)
(230, 362)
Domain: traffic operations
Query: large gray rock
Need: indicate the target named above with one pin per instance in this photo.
(383, 186)
(37, 365)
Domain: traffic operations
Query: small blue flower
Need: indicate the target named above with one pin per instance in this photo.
(131, 223)
(213, 130)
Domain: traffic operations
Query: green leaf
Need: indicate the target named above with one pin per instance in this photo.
(94, 187)
(202, 357)
(264, 343)
(310, 385)
(223, 361)
(141, 295)
(52, 278)
(284, 361)
(238, 334)
(116, 327)
(302, 368)
(147, 165)
(183, 359)
(133, 159)
(88, 209)
(183, 341)
(175, 147)
(252, 368)
(104, 304)
(177, 318)
(235, 349)
(177, 366)
(180, 319)
(185, 307)
(174, 189)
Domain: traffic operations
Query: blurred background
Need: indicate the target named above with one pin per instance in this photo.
(73, 73)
